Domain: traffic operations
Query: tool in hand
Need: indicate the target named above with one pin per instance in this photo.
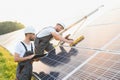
(79, 39)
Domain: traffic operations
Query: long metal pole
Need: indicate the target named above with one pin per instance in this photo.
(85, 17)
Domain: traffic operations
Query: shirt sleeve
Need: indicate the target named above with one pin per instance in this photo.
(52, 30)
(18, 49)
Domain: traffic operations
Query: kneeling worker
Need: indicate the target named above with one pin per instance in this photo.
(42, 40)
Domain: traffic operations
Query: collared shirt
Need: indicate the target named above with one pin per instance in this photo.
(46, 31)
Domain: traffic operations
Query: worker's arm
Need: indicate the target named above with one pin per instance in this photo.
(59, 37)
(17, 58)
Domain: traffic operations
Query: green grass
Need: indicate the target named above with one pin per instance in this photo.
(9, 26)
(7, 65)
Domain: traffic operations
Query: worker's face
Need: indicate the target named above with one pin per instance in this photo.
(31, 36)
(59, 28)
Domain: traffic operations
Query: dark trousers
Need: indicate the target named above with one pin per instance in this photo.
(24, 71)
(41, 46)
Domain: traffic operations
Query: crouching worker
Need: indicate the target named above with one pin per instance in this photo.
(42, 40)
(23, 55)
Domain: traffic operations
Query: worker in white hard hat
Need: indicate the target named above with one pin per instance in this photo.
(42, 40)
(23, 54)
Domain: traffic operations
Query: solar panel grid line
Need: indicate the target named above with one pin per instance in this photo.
(104, 59)
(46, 77)
(106, 70)
(81, 57)
(60, 59)
(74, 78)
(95, 49)
(102, 67)
(66, 57)
(36, 76)
(64, 67)
(75, 58)
(106, 45)
(113, 78)
(94, 71)
(60, 70)
(78, 68)
(95, 55)
(108, 74)
(61, 63)
(68, 68)
(80, 60)
(105, 66)
(96, 67)
(62, 74)
(91, 68)
(43, 77)
(103, 62)
(83, 73)
(94, 76)
(65, 70)
(116, 66)
(97, 70)
(52, 77)
(48, 61)
(116, 58)
(55, 58)
(115, 45)
(110, 60)
(100, 62)
(61, 55)
(94, 60)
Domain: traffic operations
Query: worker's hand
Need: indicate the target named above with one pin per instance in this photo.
(70, 41)
(37, 59)
(31, 56)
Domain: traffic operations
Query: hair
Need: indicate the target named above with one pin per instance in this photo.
(59, 25)
(26, 34)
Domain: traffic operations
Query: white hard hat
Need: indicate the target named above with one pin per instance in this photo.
(29, 29)
(62, 24)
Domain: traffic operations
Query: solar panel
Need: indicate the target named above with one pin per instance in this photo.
(67, 59)
(61, 63)
(96, 57)
(115, 45)
(105, 66)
